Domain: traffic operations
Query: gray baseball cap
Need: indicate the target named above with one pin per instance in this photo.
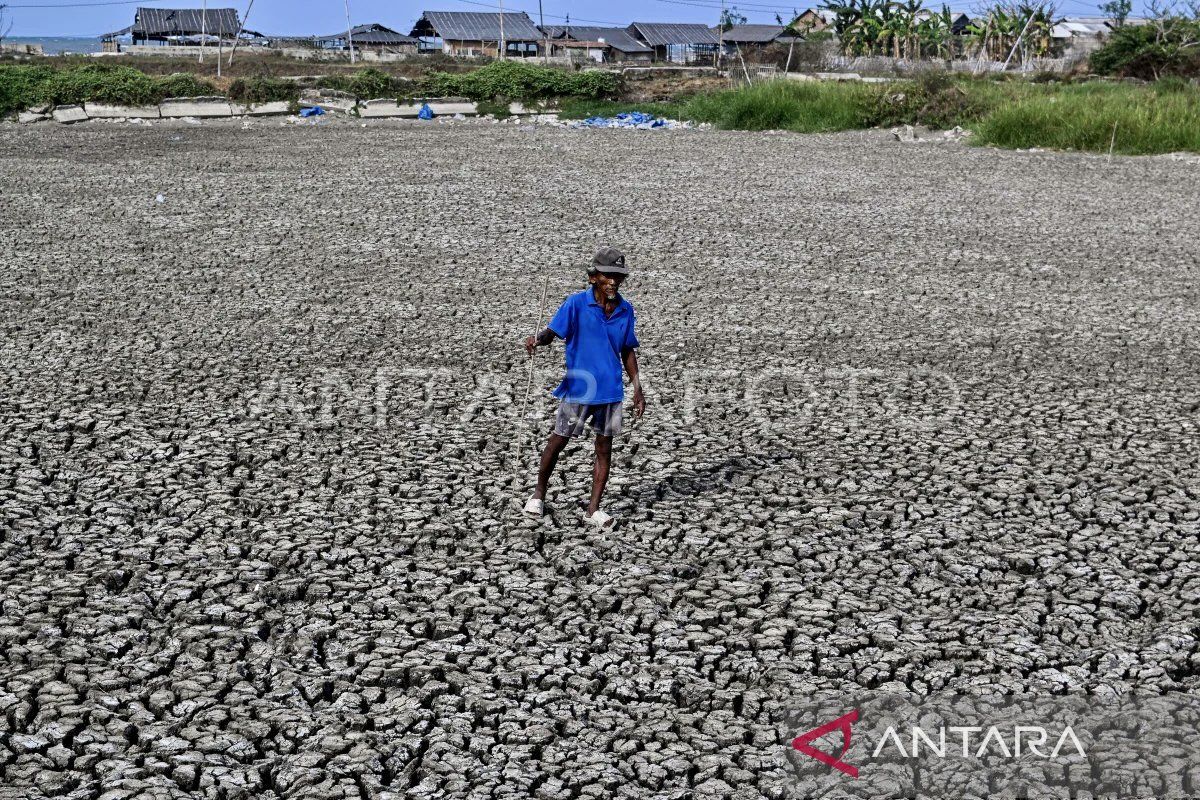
(610, 260)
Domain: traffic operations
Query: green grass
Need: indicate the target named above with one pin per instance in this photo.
(22, 86)
(1160, 118)
(803, 107)
(1081, 117)
(1009, 113)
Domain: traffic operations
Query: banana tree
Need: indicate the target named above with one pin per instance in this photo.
(940, 32)
(910, 11)
(846, 14)
(1040, 36)
(936, 33)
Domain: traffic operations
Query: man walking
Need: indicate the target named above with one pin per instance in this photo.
(597, 327)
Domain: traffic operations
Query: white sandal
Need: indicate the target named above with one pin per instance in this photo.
(599, 519)
(535, 507)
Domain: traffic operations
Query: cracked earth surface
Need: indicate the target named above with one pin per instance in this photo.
(921, 416)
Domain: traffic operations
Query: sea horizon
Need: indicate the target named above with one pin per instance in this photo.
(55, 45)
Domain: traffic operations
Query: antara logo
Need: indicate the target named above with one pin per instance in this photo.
(842, 723)
(975, 741)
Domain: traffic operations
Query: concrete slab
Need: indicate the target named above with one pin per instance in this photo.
(387, 108)
(26, 117)
(329, 103)
(839, 76)
(195, 107)
(275, 107)
(69, 114)
(108, 111)
(450, 109)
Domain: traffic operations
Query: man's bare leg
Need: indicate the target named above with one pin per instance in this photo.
(554, 446)
(600, 471)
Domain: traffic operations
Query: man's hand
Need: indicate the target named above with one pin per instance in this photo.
(530, 344)
(639, 403)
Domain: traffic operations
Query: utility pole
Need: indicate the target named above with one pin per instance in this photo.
(545, 39)
(203, 28)
(720, 37)
(503, 48)
(349, 32)
(241, 27)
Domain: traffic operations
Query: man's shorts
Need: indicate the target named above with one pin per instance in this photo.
(572, 419)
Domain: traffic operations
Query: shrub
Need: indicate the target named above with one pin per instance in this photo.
(263, 90)
(367, 84)
(24, 86)
(936, 99)
(99, 83)
(497, 108)
(183, 84)
(514, 80)
(1151, 51)
(19, 86)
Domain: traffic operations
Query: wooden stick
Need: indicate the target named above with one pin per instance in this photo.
(241, 27)
(528, 389)
(1112, 142)
(536, 331)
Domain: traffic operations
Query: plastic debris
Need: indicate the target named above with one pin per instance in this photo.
(426, 112)
(631, 119)
(189, 120)
(312, 111)
(161, 198)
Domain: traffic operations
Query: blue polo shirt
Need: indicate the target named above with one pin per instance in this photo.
(594, 346)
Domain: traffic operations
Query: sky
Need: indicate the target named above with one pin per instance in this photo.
(93, 17)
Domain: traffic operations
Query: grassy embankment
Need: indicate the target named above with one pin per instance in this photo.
(1160, 118)
(65, 83)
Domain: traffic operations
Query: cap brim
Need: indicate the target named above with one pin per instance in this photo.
(611, 270)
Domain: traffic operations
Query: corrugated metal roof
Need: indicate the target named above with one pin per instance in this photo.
(477, 26)
(617, 38)
(751, 34)
(1070, 29)
(382, 37)
(657, 34)
(372, 33)
(185, 21)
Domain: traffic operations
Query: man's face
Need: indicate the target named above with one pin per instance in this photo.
(608, 283)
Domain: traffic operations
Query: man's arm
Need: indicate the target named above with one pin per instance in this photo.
(541, 340)
(629, 357)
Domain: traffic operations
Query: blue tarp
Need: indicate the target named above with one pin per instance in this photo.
(314, 111)
(426, 112)
(630, 119)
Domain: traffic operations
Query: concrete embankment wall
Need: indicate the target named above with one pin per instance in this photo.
(209, 107)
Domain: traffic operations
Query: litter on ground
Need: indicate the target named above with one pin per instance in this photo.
(631, 119)
(312, 111)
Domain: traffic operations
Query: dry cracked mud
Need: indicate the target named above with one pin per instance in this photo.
(921, 416)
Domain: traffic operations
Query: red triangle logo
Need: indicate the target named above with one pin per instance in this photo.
(842, 723)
